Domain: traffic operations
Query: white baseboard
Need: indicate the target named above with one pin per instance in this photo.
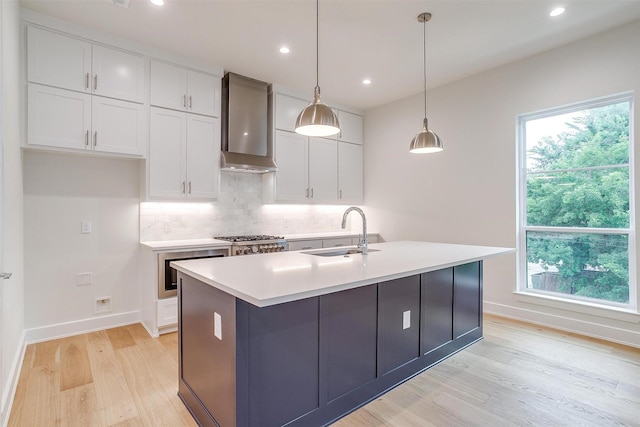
(77, 327)
(595, 330)
(9, 391)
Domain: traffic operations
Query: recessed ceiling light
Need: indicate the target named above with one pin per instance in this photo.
(157, 2)
(284, 49)
(557, 11)
(366, 82)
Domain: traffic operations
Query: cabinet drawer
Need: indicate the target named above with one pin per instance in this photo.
(305, 244)
(167, 312)
(341, 241)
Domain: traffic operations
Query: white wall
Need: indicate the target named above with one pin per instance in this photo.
(467, 193)
(60, 191)
(12, 297)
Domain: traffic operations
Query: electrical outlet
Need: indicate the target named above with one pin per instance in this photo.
(217, 326)
(85, 227)
(406, 319)
(103, 305)
(83, 279)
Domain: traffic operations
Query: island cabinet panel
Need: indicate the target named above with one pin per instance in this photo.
(398, 322)
(436, 318)
(207, 361)
(467, 299)
(348, 337)
(281, 359)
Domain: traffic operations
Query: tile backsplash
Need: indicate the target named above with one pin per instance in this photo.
(239, 210)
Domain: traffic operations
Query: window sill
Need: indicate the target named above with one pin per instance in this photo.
(610, 312)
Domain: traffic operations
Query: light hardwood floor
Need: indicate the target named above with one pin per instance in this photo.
(519, 374)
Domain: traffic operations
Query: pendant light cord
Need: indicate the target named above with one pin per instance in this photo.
(424, 53)
(317, 43)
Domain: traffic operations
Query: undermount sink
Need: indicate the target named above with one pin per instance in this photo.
(338, 252)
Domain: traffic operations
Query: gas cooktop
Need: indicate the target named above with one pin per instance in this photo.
(249, 238)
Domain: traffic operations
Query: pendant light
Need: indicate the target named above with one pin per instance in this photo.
(317, 119)
(426, 141)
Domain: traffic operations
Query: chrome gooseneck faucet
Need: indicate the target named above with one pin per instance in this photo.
(364, 242)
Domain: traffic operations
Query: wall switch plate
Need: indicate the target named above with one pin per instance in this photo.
(83, 279)
(85, 227)
(217, 326)
(406, 319)
(103, 305)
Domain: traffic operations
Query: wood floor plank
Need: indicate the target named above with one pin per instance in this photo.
(120, 338)
(75, 370)
(41, 402)
(46, 353)
(79, 407)
(115, 403)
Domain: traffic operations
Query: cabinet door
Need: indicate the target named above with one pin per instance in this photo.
(467, 299)
(301, 245)
(167, 312)
(323, 170)
(203, 154)
(351, 127)
(291, 156)
(168, 86)
(58, 117)
(118, 126)
(167, 154)
(287, 109)
(337, 242)
(118, 74)
(350, 173)
(437, 309)
(204, 94)
(58, 60)
(398, 322)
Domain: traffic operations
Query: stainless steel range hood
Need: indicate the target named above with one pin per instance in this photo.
(246, 142)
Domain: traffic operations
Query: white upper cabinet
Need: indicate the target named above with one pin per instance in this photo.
(65, 119)
(287, 109)
(183, 156)
(69, 63)
(323, 170)
(350, 173)
(179, 88)
(58, 60)
(117, 74)
(351, 127)
(292, 178)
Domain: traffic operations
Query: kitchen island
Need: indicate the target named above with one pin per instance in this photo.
(298, 338)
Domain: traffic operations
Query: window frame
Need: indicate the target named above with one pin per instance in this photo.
(521, 196)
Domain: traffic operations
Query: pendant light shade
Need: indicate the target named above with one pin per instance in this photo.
(426, 141)
(317, 119)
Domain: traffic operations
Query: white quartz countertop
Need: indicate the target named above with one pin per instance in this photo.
(274, 278)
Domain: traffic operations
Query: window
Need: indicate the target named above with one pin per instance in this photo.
(576, 228)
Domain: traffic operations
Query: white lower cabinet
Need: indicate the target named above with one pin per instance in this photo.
(337, 242)
(167, 312)
(184, 155)
(65, 119)
(300, 245)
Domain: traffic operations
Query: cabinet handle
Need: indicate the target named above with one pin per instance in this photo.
(189, 187)
(184, 188)
(86, 81)
(190, 102)
(86, 138)
(341, 194)
(95, 82)
(184, 101)
(312, 193)
(306, 247)
(95, 138)
(306, 193)
(5, 276)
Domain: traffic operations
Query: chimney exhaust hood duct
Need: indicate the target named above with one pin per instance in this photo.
(247, 144)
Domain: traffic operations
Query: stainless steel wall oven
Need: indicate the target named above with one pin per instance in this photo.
(168, 277)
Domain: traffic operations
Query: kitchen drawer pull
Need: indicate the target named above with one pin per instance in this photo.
(86, 138)
(5, 275)
(86, 81)
(95, 138)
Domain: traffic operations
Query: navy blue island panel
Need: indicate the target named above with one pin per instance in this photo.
(312, 361)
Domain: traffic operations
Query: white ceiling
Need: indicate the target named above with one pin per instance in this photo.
(377, 39)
